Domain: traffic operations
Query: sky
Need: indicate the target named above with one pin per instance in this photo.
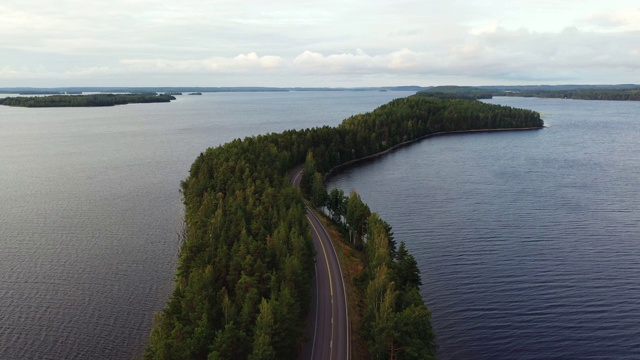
(308, 43)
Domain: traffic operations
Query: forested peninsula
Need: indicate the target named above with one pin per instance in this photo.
(243, 280)
(84, 100)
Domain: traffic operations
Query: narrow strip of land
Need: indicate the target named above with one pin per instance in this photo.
(327, 329)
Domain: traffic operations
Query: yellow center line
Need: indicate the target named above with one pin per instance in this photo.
(326, 259)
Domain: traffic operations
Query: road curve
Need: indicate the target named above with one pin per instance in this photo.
(327, 330)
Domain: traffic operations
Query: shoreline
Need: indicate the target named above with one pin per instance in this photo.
(349, 163)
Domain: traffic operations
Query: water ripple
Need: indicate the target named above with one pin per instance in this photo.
(527, 242)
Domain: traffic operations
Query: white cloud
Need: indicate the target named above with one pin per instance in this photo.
(485, 28)
(359, 62)
(241, 63)
(414, 42)
(315, 62)
(620, 20)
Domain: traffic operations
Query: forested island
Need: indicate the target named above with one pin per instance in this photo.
(243, 280)
(84, 100)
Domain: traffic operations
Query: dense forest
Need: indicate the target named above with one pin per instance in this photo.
(458, 92)
(243, 281)
(84, 100)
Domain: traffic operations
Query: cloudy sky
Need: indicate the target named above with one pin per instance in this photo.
(338, 43)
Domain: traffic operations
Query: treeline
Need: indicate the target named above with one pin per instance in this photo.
(396, 323)
(246, 263)
(632, 93)
(420, 115)
(245, 267)
(581, 94)
(84, 100)
(458, 92)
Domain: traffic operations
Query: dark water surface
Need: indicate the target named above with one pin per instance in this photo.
(528, 242)
(90, 210)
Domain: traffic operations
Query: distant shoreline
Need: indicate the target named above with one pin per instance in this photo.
(192, 89)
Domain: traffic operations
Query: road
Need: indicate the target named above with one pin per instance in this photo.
(328, 323)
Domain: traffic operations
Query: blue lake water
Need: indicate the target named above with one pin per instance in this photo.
(90, 210)
(528, 242)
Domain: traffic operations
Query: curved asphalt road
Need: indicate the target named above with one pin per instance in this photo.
(328, 323)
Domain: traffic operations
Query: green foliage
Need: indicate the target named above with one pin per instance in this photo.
(319, 196)
(229, 343)
(85, 100)
(378, 251)
(262, 345)
(396, 321)
(407, 272)
(337, 205)
(243, 280)
(457, 92)
(356, 218)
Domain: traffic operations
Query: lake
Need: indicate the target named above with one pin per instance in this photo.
(90, 210)
(528, 242)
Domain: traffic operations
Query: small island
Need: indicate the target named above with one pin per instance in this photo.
(84, 100)
(195, 93)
